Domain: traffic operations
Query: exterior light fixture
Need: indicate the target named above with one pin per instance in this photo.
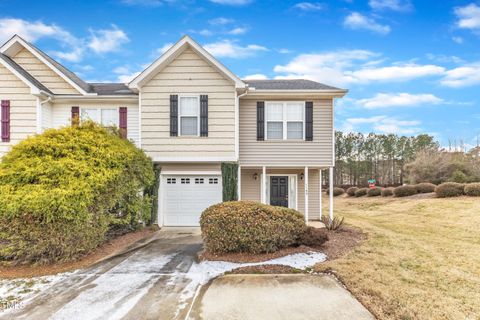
(255, 176)
(301, 176)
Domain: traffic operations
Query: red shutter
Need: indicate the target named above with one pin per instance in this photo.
(75, 116)
(123, 122)
(5, 120)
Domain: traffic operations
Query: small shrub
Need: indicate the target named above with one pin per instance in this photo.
(404, 191)
(472, 189)
(252, 227)
(449, 189)
(459, 176)
(334, 224)
(387, 192)
(314, 237)
(351, 191)
(425, 187)
(336, 191)
(375, 192)
(361, 192)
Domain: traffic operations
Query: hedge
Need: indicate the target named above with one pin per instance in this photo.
(361, 192)
(351, 191)
(387, 192)
(247, 226)
(404, 191)
(61, 191)
(336, 191)
(425, 187)
(473, 189)
(375, 192)
(450, 189)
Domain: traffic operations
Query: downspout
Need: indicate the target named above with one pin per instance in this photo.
(40, 114)
(237, 122)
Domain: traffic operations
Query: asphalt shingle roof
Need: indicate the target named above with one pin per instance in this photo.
(24, 73)
(295, 84)
(111, 89)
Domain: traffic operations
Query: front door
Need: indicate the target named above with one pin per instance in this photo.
(279, 191)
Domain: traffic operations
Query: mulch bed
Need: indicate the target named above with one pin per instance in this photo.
(342, 241)
(106, 249)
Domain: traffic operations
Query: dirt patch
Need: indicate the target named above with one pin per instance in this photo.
(339, 242)
(108, 248)
(266, 269)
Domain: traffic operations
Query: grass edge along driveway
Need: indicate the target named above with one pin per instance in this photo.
(421, 259)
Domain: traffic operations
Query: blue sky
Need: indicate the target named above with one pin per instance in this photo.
(411, 66)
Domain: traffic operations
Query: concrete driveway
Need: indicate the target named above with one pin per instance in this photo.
(146, 283)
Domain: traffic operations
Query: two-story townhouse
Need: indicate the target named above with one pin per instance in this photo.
(190, 114)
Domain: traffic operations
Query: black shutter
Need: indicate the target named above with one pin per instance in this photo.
(309, 121)
(173, 115)
(260, 120)
(203, 116)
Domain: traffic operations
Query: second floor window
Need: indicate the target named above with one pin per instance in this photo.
(105, 117)
(285, 120)
(189, 109)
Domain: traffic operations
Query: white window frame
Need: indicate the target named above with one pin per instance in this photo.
(284, 120)
(100, 112)
(180, 115)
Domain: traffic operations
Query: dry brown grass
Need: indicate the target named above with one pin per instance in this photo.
(421, 259)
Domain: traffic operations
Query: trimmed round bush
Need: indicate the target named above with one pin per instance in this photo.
(61, 191)
(473, 189)
(404, 191)
(336, 191)
(375, 192)
(450, 189)
(387, 192)
(361, 192)
(351, 191)
(425, 187)
(250, 227)
(314, 237)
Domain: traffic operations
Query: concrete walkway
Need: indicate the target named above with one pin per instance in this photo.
(289, 297)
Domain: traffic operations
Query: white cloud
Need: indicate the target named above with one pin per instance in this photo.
(220, 21)
(309, 6)
(382, 124)
(232, 2)
(400, 72)
(163, 49)
(126, 78)
(75, 55)
(357, 21)
(386, 100)
(32, 31)
(468, 16)
(231, 49)
(238, 30)
(146, 3)
(107, 40)
(203, 32)
(463, 76)
(458, 40)
(394, 5)
(256, 76)
(284, 50)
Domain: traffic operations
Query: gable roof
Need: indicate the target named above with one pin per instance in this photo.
(111, 89)
(23, 74)
(175, 51)
(293, 84)
(12, 46)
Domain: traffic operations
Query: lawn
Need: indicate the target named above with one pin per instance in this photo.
(421, 259)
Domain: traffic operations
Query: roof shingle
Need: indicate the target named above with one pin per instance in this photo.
(294, 84)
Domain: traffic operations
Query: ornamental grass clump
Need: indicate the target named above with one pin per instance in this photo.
(250, 227)
(62, 190)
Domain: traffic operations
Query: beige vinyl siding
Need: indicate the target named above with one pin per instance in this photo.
(46, 116)
(251, 188)
(190, 167)
(62, 113)
(188, 74)
(23, 108)
(318, 152)
(43, 73)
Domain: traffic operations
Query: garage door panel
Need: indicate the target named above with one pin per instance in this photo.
(185, 197)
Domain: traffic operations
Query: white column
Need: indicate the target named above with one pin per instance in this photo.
(306, 193)
(239, 183)
(264, 185)
(320, 191)
(330, 193)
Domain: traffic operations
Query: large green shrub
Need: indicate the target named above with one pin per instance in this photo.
(472, 189)
(351, 191)
(361, 192)
(247, 226)
(374, 192)
(404, 191)
(449, 189)
(62, 190)
(229, 181)
(425, 187)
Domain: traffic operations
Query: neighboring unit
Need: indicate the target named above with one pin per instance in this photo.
(190, 114)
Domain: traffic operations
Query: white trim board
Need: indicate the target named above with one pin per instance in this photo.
(289, 175)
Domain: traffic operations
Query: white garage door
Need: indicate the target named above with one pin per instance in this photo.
(185, 197)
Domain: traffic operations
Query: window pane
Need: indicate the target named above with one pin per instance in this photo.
(295, 111)
(274, 130)
(110, 117)
(295, 130)
(188, 126)
(274, 112)
(91, 114)
(188, 106)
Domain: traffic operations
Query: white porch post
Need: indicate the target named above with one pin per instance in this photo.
(330, 193)
(306, 193)
(239, 183)
(264, 185)
(320, 191)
